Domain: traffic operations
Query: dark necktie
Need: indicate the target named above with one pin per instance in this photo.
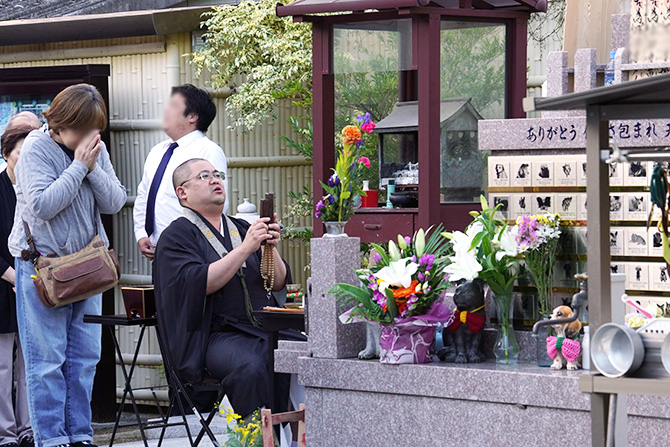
(150, 221)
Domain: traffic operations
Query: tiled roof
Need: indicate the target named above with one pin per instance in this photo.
(36, 9)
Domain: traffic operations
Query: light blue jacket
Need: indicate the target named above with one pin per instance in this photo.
(57, 197)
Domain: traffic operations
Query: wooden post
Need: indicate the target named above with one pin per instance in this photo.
(427, 47)
(323, 112)
(599, 288)
(516, 67)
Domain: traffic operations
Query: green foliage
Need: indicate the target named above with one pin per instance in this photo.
(473, 65)
(265, 58)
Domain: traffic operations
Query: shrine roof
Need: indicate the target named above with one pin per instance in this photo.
(405, 116)
(304, 7)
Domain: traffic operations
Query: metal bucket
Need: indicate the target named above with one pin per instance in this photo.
(616, 350)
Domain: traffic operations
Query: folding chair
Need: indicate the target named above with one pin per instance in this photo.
(268, 420)
(179, 395)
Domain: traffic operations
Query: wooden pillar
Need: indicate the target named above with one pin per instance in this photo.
(427, 47)
(323, 111)
(517, 43)
(599, 288)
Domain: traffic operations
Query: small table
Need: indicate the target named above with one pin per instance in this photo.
(111, 321)
(273, 322)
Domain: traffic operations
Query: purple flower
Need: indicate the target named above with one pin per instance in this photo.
(366, 118)
(330, 199)
(414, 259)
(408, 240)
(333, 181)
(379, 297)
(320, 206)
(318, 214)
(420, 277)
(359, 119)
(377, 258)
(427, 289)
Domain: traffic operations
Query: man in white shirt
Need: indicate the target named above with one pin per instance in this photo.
(187, 116)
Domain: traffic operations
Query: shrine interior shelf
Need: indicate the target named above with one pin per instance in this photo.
(642, 99)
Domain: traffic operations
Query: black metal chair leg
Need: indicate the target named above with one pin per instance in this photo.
(209, 421)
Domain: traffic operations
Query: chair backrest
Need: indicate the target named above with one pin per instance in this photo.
(268, 420)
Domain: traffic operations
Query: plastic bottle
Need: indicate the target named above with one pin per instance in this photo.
(609, 70)
(586, 350)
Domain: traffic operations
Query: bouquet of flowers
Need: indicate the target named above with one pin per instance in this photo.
(537, 237)
(488, 250)
(403, 292)
(346, 183)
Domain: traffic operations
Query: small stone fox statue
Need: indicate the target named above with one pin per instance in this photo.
(462, 339)
(371, 350)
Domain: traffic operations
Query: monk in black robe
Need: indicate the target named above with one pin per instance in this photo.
(208, 282)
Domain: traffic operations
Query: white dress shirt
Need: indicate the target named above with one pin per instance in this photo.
(193, 145)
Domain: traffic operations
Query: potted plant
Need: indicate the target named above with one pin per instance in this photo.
(403, 292)
(488, 250)
(538, 237)
(345, 185)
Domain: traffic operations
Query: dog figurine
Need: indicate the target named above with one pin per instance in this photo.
(371, 350)
(462, 338)
(565, 348)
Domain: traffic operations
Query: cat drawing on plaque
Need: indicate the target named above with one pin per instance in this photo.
(636, 242)
(636, 173)
(636, 206)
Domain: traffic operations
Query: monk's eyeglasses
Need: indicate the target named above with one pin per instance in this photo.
(206, 176)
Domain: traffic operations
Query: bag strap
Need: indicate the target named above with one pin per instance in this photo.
(32, 254)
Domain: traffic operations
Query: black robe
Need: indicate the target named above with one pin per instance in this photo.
(186, 314)
(7, 297)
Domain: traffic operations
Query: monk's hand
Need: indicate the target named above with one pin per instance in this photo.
(275, 231)
(256, 234)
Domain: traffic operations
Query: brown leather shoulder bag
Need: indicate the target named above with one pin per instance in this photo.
(71, 278)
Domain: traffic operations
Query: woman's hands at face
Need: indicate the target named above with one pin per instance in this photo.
(88, 150)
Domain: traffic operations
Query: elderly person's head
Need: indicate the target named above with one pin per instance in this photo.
(76, 112)
(25, 118)
(11, 142)
(199, 185)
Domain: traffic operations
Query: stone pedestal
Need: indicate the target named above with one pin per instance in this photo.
(334, 260)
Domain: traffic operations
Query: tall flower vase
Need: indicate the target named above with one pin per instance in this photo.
(506, 349)
(543, 358)
(335, 229)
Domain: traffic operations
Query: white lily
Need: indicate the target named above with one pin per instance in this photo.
(507, 244)
(463, 241)
(397, 273)
(463, 266)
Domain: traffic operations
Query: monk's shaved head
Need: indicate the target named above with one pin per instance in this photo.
(183, 172)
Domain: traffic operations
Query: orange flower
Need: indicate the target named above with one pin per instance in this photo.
(352, 135)
(404, 292)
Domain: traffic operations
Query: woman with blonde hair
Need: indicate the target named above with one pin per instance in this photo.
(65, 180)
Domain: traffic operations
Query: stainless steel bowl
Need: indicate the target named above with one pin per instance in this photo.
(616, 350)
(665, 353)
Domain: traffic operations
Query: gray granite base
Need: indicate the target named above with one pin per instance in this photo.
(358, 402)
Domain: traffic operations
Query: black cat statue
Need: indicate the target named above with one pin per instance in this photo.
(462, 338)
